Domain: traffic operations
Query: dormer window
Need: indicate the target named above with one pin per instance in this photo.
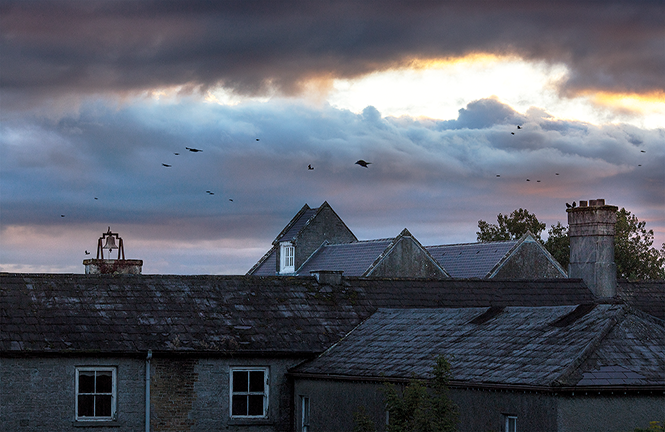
(287, 255)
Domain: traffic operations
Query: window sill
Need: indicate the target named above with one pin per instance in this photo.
(250, 422)
(92, 424)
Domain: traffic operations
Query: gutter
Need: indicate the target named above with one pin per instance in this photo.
(147, 391)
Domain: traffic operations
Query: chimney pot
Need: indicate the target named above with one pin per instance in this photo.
(583, 204)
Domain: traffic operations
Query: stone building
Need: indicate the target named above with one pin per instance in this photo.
(131, 352)
(317, 239)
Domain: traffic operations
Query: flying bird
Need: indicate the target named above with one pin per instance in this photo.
(87, 253)
(512, 133)
(210, 193)
(230, 200)
(537, 181)
(177, 154)
(498, 175)
(643, 151)
(362, 163)
(519, 127)
(639, 165)
(193, 150)
(257, 139)
(62, 215)
(310, 167)
(96, 198)
(528, 180)
(556, 173)
(166, 165)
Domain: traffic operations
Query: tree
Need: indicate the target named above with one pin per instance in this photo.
(423, 406)
(634, 255)
(510, 227)
(558, 244)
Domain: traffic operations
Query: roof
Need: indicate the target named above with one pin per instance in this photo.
(471, 260)
(229, 314)
(296, 224)
(647, 296)
(354, 259)
(554, 346)
(267, 265)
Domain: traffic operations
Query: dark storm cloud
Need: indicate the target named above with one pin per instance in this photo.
(56, 47)
(436, 178)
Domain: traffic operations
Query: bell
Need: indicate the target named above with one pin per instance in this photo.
(110, 243)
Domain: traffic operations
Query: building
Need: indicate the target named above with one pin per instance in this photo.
(128, 352)
(317, 239)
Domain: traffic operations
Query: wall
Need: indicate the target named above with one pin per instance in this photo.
(528, 262)
(618, 413)
(38, 394)
(407, 259)
(334, 402)
(187, 394)
(325, 226)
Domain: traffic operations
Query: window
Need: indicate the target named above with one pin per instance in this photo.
(95, 393)
(287, 258)
(304, 413)
(249, 392)
(511, 423)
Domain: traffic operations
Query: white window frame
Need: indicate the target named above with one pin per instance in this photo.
(287, 257)
(304, 413)
(265, 393)
(113, 393)
(508, 418)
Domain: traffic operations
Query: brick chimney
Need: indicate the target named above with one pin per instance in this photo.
(591, 229)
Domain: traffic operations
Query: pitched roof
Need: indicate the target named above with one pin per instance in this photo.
(471, 260)
(525, 346)
(267, 265)
(229, 314)
(647, 296)
(354, 259)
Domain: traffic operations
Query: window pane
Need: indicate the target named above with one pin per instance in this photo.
(103, 406)
(104, 382)
(256, 405)
(256, 381)
(239, 405)
(240, 381)
(86, 406)
(86, 382)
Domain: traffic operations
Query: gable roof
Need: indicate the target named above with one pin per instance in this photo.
(587, 345)
(647, 296)
(354, 259)
(267, 265)
(219, 315)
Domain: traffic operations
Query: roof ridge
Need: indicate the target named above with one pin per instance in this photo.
(472, 243)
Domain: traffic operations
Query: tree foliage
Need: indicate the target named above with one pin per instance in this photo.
(634, 255)
(510, 227)
(423, 406)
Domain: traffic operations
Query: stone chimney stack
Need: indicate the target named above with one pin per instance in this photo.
(591, 229)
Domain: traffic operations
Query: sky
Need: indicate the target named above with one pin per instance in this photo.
(97, 97)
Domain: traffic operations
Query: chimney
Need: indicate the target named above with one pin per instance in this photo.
(591, 229)
(327, 277)
(111, 241)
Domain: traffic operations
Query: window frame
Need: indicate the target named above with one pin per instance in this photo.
(265, 393)
(113, 394)
(287, 257)
(304, 413)
(507, 419)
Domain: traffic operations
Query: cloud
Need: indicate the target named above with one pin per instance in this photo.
(59, 49)
(103, 167)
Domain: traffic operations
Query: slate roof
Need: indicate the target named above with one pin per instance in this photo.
(267, 265)
(354, 259)
(471, 260)
(229, 314)
(648, 296)
(298, 224)
(559, 346)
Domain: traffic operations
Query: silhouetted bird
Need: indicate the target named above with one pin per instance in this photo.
(537, 181)
(230, 200)
(362, 163)
(643, 151)
(556, 173)
(310, 167)
(62, 215)
(639, 165)
(193, 150)
(512, 133)
(167, 166)
(210, 193)
(574, 204)
(257, 139)
(568, 206)
(87, 253)
(96, 198)
(498, 175)
(177, 154)
(519, 127)
(528, 180)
